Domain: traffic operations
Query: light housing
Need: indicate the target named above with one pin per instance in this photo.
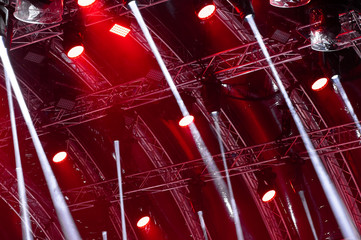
(266, 191)
(204, 9)
(73, 39)
(325, 28)
(243, 7)
(288, 3)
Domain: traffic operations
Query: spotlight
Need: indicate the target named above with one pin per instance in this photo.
(243, 7)
(60, 156)
(185, 121)
(266, 191)
(212, 93)
(120, 30)
(325, 28)
(288, 3)
(319, 84)
(72, 43)
(143, 222)
(204, 9)
(85, 3)
(39, 12)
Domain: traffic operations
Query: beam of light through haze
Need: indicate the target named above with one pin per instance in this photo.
(342, 216)
(119, 172)
(66, 221)
(24, 211)
(205, 154)
(341, 90)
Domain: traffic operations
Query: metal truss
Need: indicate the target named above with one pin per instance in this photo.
(337, 164)
(81, 198)
(44, 225)
(232, 140)
(160, 158)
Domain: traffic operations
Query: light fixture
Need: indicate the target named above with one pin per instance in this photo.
(120, 30)
(186, 121)
(243, 7)
(204, 8)
(266, 191)
(143, 222)
(288, 3)
(85, 3)
(39, 12)
(211, 93)
(60, 156)
(325, 26)
(73, 46)
(319, 84)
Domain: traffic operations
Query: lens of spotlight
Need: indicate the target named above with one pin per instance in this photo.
(319, 84)
(207, 11)
(185, 121)
(75, 51)
(144, 221)
(268, 196)
(60, 156)
(85, 3)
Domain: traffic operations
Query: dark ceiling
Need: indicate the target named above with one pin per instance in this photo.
(117, 91)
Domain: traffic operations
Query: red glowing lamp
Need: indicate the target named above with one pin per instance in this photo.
(75, 51)
(60, 156)
(269, 195)
(185, 121)
(85, 3)
(319, 84)
(207, 11)
(144, 221)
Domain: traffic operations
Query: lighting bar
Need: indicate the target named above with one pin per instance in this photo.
(120, 30)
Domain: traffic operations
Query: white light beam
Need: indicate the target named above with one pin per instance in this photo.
(119, 172)
(342, 216)
(24, 211)
(66, 221)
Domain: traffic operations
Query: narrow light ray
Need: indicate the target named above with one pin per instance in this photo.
(24, 211)
(66, 221)
(308, 214)
(119, 172)
(342, 216)
(341, 90)
(104, 235)
(206, 156)
(237, 221)
(203, 224)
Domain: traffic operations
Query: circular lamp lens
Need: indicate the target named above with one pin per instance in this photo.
(185, 121)
(207, 11)
(85, 3)
(75, 51)
(143, 222)
(319, 84)
(60, 156)
(268, 196)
